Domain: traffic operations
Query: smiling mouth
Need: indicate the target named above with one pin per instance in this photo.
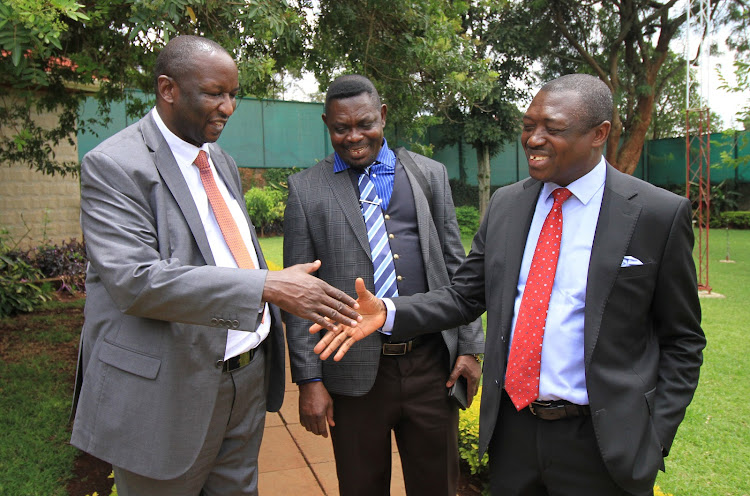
(537, 158)
(358, 152)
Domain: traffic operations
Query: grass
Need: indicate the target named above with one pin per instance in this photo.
(709, 456)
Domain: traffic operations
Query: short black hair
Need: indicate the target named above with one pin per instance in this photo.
(349, 86)
(176, 59)
(597, 95)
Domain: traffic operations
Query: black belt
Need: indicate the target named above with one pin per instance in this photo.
(398, 349)
(236, 362)
(556, 410)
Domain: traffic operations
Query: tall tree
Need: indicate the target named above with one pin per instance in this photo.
(494, 120)
(53, 48)
(625, 43)
(414, 51)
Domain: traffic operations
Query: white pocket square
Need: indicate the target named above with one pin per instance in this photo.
(629, 261)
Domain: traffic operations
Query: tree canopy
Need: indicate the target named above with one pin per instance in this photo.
(53, 50)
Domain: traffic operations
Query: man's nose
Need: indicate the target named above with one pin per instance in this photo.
(228, 104)
(535, 138)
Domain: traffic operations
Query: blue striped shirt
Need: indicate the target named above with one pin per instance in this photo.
(382, 172)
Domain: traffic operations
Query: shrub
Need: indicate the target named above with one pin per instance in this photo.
(464, 194)
(737, 220)
(468, 220)
(18, 290)
(468, 440)
(66, 262)
(265, 206)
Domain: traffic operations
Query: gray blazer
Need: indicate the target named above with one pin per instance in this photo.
(157, 308)
(642, 334)
(323, 221)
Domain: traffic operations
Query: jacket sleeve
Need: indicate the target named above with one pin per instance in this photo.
(470, 336)
(677, 316)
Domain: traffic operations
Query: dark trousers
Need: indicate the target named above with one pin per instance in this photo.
(534, 457)
(409, 397)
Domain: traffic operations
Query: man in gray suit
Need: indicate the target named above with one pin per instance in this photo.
(619, 339)
(182, 349)
(383, 385)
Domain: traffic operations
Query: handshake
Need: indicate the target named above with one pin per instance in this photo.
(342, 337)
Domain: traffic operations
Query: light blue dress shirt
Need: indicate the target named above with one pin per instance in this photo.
(562, 373)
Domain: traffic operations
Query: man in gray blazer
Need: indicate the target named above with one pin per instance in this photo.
(181, 352)
(621, 341)
(383, 385)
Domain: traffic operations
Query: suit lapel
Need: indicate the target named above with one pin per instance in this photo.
(614, 229)
(341, 185)
(424, 216)
(170, 172)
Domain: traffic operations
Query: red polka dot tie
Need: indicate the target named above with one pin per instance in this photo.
(525, 358)
(223, 216)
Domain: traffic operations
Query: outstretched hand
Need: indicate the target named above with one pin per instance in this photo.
(373, 313)
(298, 292)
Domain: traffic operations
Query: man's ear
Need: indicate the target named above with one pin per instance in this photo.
(325, 119)
(601, 133)
(167, 89)
(383, 113)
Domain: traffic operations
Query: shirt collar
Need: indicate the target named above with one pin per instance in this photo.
(184, 152)
(384, 163)
(584, 188)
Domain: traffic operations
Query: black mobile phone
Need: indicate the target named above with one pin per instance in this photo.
(459, 392)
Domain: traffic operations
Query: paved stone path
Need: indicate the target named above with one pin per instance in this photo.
(295, 462)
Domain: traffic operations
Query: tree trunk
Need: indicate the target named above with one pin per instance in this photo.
(483, 178)
(630, 151)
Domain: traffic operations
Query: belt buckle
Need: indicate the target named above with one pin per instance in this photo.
(543, 404)
(395, 349)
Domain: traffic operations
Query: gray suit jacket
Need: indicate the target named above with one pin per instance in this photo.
(147, 376)
(642, 333)
(323, 221)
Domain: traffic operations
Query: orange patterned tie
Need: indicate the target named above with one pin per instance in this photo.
(525, 358)
(223, 215)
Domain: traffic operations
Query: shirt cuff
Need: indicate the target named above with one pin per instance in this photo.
(390, 316)
(306, 381)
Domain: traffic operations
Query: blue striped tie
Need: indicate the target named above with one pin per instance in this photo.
(382, 259)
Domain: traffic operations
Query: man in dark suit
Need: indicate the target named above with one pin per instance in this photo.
(620, 336)
(383, 385)
(182, 350)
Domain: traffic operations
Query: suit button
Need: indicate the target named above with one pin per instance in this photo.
(387, 217)
(219, 364)
(236, 324)
(399, 278)
(214, 322)
(395, 256)
(222, 323)
(497, 383)
(391, 236)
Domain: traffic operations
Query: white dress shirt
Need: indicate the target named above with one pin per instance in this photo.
(185, 154)
(562, 373)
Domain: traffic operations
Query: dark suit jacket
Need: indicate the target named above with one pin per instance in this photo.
(323, 221)
(642, 323)
(147, 377)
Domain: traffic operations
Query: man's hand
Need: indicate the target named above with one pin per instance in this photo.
(315, 408)
(296, 291)
(467, 366)
(373, 314)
